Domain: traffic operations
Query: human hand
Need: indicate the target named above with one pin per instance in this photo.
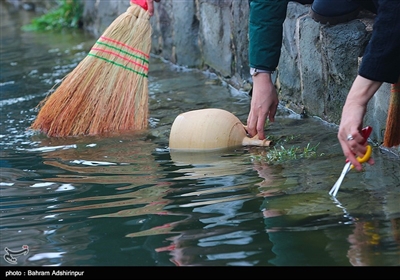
(146, 4)
(264, 103)
(350, 137)
(150, 4)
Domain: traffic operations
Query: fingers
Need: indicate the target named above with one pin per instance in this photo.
(353, 145)
(260, 129)
(351, 148)
(255, 124)
(150, 5)
(351, 157)
(272, 112)
(251, 126)
(257, 118)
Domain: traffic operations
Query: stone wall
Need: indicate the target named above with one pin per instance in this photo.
(38, 6)
(204, 34)
(317, 66)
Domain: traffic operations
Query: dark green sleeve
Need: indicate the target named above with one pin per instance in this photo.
(265, 32)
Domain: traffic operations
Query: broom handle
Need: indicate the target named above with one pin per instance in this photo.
(392, 131)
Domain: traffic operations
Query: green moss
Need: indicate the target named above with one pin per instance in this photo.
(68, 14)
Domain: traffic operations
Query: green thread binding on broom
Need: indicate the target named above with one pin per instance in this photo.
(124, 45)
(121, 57)
(119, 65)
(122, 51)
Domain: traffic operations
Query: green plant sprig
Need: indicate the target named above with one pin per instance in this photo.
(280, 153)
(67, 15)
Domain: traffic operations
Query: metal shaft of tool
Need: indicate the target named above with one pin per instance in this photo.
(336, 186)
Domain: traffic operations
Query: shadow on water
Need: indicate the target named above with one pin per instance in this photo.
(126, 200)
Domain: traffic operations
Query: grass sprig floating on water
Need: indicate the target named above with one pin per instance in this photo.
(281, 153)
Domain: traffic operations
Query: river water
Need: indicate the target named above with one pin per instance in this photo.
(127, 200)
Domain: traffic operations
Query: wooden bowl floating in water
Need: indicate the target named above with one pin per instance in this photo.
(209, 129)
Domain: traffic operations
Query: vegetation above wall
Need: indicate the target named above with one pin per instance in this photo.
(68, 14)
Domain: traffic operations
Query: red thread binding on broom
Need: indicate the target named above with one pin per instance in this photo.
(119, 64)
(105, 45)
(122, 57)
(137, 54)
(126, 46)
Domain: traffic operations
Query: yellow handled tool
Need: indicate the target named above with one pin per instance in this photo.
(348, 166)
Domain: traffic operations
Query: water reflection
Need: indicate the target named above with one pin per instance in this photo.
(119, 159)
(184, 209)
(289, 219)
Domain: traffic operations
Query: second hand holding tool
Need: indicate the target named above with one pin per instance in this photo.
(348, 166)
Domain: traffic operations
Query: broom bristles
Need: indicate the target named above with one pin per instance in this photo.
(392, 131)
(108, 90)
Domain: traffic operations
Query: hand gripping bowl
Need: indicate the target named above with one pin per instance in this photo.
(209, 129)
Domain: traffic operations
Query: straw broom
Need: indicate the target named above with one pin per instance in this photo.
(392, 131)
(108, 90)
